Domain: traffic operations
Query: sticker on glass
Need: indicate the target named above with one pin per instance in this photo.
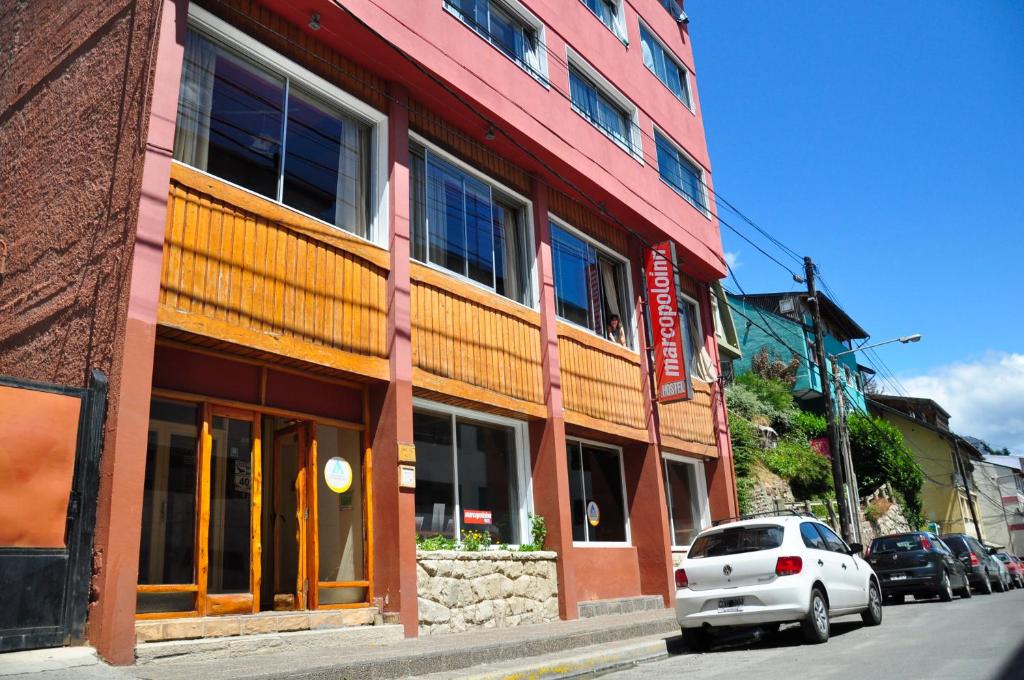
(593, 514)
(338, 474)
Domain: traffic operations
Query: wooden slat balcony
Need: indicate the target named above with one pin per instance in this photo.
(248, 271)
(472, 344)
(601, 387)
(688, 426)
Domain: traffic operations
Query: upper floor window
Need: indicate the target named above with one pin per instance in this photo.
(595, 103)
(507, 29)
(273, 134)
(590, 286)
(465, 225)
(662, 64)
(680, 173)
(675, 8)
(610, 14)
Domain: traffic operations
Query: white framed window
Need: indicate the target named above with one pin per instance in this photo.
(257, 120)
(604, 107)
(660, 61)
(681, 173)
(469, 225)
(510, 28)
(593, 285)
(597, 493)
(686, 493)
(611, 14)
(472, 473)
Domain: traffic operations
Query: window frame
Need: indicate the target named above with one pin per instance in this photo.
(669, 54)
(702, 511)
(520, 13)
(701, 178)
(522, 463)
(701, 337)
(610, 92)
(625, 498)
(531, 239)
(633, 344)
(219, 31)
(619, 22)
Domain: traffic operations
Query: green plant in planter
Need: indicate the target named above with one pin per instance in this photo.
(474, 541)
(435, 543)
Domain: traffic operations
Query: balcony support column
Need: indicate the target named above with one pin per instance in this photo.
(391, 430)
(547, 437)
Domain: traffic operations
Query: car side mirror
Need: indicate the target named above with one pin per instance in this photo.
(856, 549)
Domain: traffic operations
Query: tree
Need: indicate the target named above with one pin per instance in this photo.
(880, 456)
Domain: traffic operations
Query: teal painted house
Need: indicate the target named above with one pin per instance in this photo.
(781, 323)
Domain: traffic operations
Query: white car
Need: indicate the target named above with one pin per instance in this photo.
(772, 570)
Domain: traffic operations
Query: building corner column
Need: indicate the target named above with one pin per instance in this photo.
(550, 467)
(111, 619)
(648, 512)
(394, 508)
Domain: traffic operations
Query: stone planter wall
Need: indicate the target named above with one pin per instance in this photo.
(487, 589)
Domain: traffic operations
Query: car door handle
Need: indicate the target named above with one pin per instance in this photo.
(820, 563)
(844, 565)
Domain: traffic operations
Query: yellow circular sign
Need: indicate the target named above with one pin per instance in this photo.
(593, 514)
(338, 475)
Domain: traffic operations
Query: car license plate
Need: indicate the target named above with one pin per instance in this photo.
(897, 577)
(732, 604)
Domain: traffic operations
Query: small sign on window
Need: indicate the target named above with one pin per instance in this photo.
(477, 517)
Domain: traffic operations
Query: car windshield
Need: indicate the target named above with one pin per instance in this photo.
(737, 540)
(896, 544)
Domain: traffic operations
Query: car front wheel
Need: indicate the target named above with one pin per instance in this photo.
(815, 626)
(986, 585)
(872, 616)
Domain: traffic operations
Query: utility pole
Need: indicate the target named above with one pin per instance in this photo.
(830, 410)
(967, 485)
(844, 439)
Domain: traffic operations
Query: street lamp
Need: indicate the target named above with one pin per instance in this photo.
(844, 435)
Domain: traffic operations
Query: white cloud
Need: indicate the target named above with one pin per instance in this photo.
(732, 259)
(984, 397)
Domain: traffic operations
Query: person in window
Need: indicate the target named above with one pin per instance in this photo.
(615, 332)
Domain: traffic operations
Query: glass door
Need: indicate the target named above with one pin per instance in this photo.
(229, 560)
(289, 517)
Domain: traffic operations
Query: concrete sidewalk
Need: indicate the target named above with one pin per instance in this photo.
(559, 649)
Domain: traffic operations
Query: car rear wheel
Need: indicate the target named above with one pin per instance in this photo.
(872, 616)
(986, 585)
(1000, 586)
(697, 639)
(815, 626)
(946, 589)
(965, 592)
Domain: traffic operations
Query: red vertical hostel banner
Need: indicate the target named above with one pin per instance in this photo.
(669, 356)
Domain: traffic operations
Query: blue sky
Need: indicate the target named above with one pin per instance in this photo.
(886, 140)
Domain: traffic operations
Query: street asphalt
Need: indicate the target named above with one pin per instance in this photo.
(977, 639)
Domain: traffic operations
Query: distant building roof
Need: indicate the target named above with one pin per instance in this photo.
(833, 313)
(1012, 462)
(900, 403)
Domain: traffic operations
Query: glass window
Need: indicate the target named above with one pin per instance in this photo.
(241, 122)
(230, 505)
(673, 7)
(811, 537)
(664, 66)
(462, 224)
(471, 486)
(736, 540)
(608, 12)
(684, 502)
(341, 532)
(590, 287)
(596, 493)
(832, 541)
(680, 173)
(502, 27)
(598, 108)
(167, 549)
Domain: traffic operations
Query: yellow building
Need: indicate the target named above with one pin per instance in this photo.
(948, 494)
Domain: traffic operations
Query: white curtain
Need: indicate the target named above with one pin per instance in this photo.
(512, 262)
(353, 180)
(192, 138)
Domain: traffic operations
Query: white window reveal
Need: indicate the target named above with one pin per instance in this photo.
(611, 15)
(472, 474)
(687, 497)
(257, 120)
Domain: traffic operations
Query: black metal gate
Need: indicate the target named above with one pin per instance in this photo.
(44, 592)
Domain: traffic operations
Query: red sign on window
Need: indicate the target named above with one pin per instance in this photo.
(476, 517)
(670, 368)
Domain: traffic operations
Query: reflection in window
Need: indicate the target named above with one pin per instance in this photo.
(462, 224)
(664, 66)
(501, 27)
(683, 501)
(608, 12)
(590, 287)
(473, 486)
(680, 173)
(231, 123)
(230, 505)
(598, 108)
(596, 493)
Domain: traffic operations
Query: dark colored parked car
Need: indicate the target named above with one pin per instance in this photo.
(917, 564)
(981, 568)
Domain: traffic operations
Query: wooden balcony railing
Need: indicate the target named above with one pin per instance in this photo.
(600, 383)
(245, 270)
(469, 343)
